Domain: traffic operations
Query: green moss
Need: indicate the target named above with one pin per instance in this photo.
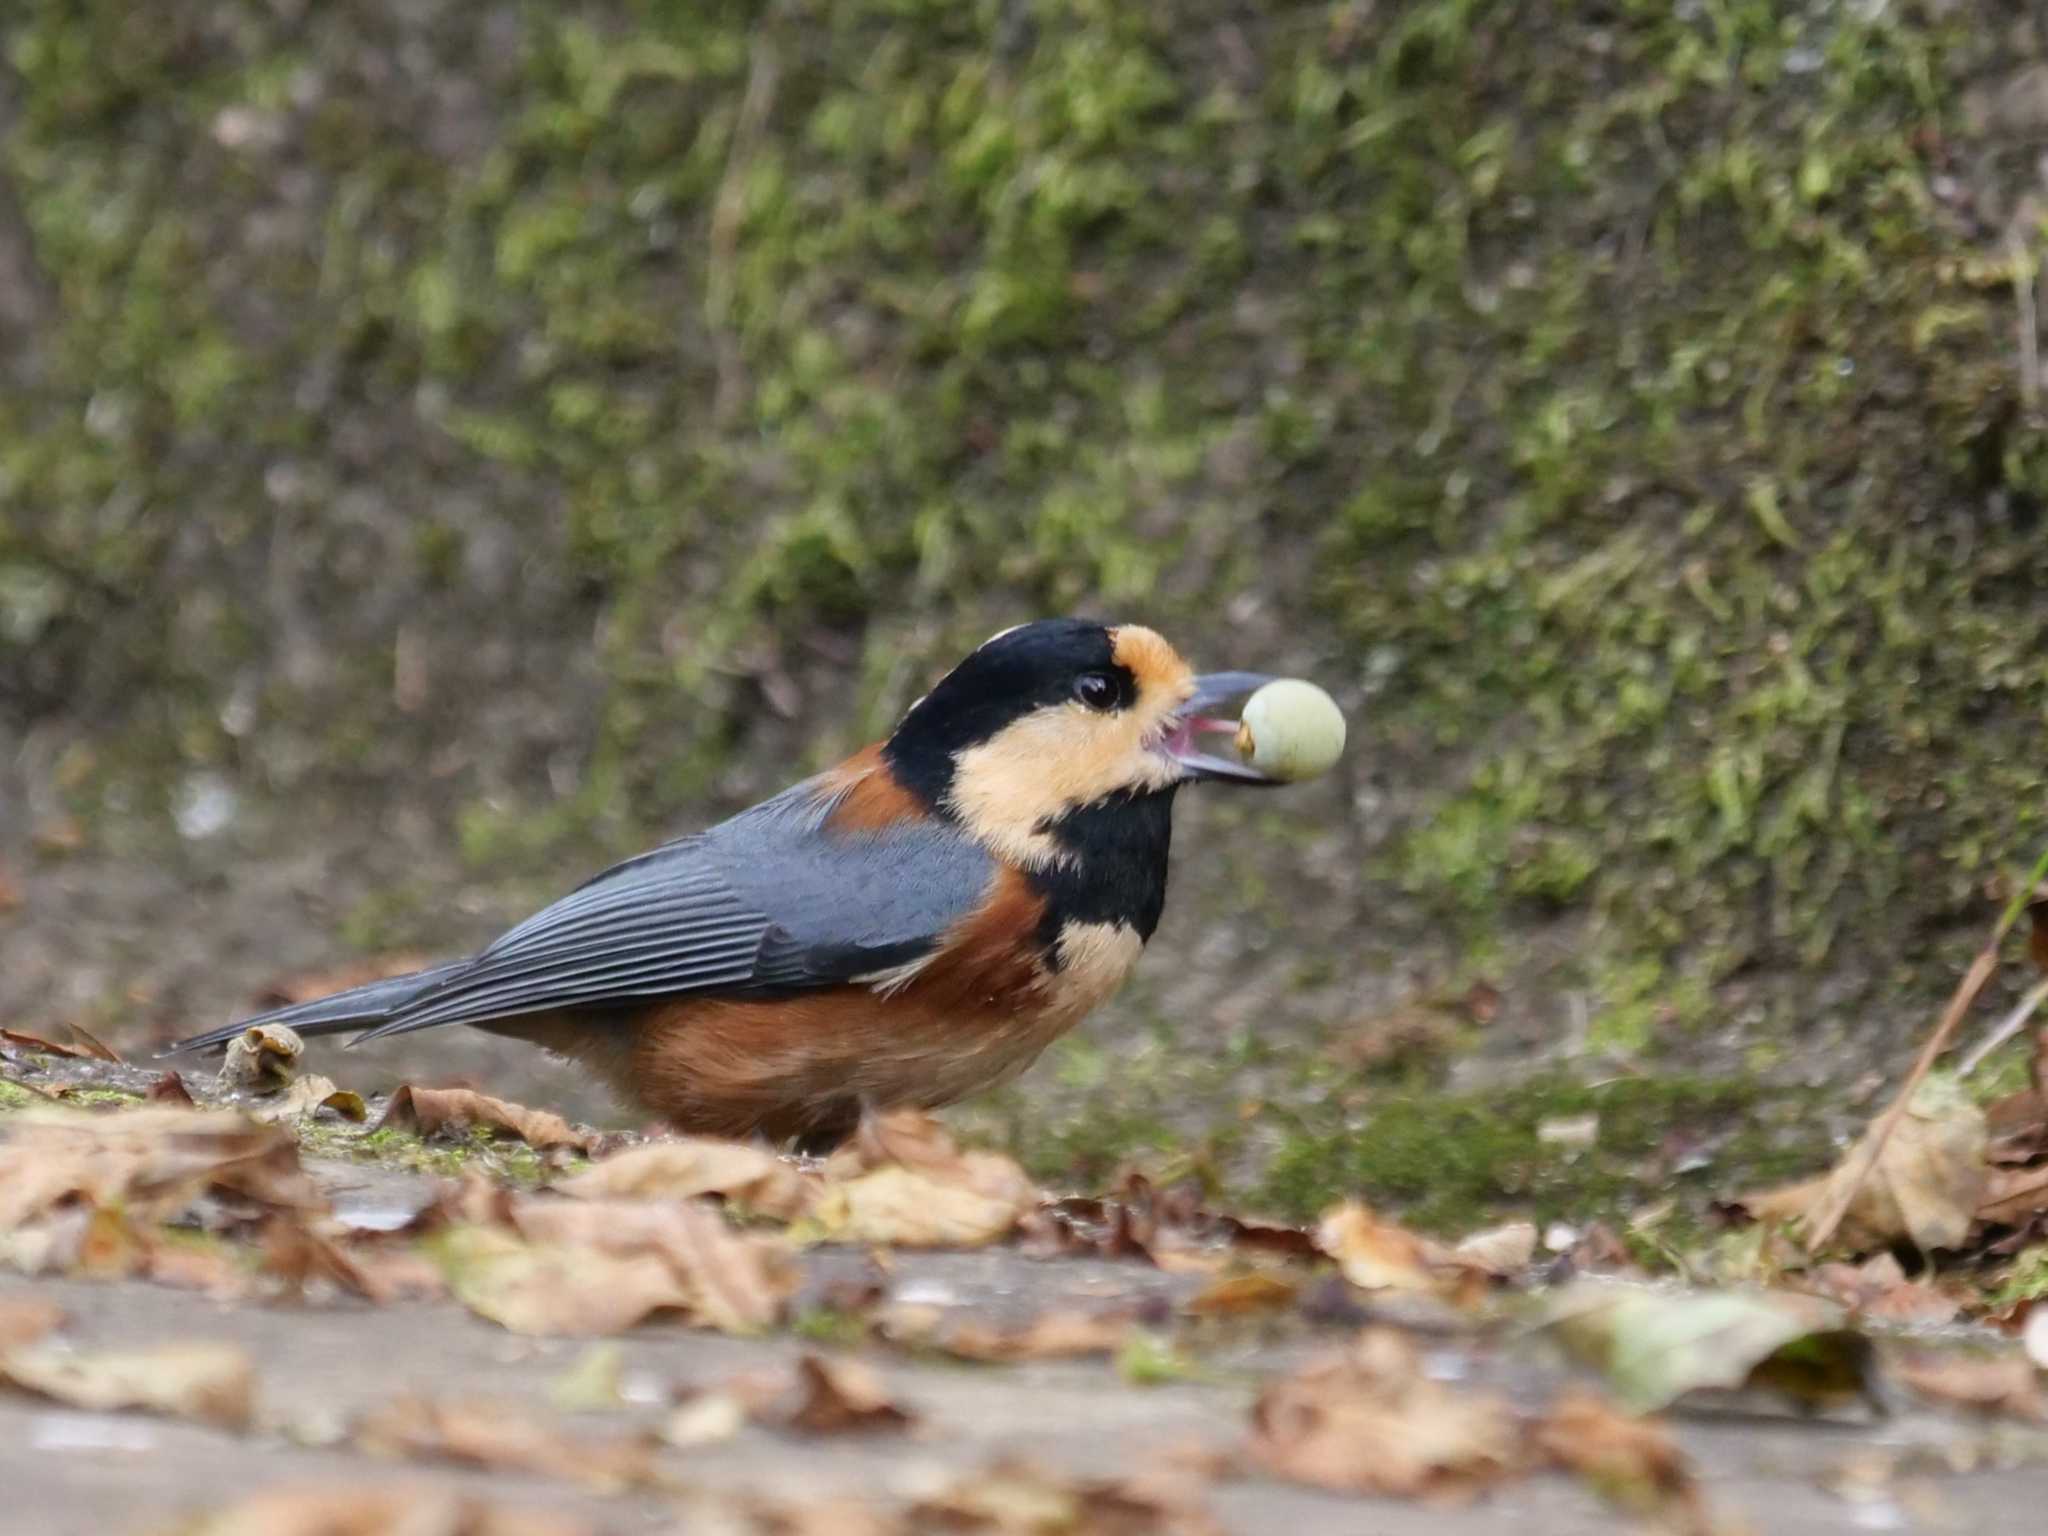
(1452, 1162)
(14, 1096)
(448, 1156)
(2027, 1280)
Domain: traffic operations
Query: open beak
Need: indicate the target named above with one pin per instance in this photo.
(1213, 689)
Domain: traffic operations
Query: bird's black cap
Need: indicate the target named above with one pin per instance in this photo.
(1006, 678)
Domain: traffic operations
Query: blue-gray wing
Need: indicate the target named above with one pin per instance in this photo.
(770, 901)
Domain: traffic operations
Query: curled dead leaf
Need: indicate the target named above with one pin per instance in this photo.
(499, 1435)
(262, 1059)
(732, 1281)
(910, 1139)
(1374, 1254)
(309, 1094)
(171, 1089)
(1370, 1421)
(429, 1111)
(689, 1166)
(214, 1383)
(538, 1288)
(910, 1208)
(596, 1267)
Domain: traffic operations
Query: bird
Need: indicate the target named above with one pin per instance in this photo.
(903, 930)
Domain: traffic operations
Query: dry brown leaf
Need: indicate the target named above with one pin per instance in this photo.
(908, 1138)
(10, 891)
(830, 1397)
(262, 1059)
(2013, 1196)
(308, 1094)
(1170, 1228)
(1926, 1186)
(2003, 1383)
(1878, 1288)
(356, 1510)
(1013, 1498)
(1633, 1461)
(735, 1282)
(24, 1319)
(149, 1164)
(171, 1089)
(25, 1041)
(1062, 1334)
(542, 1288)
(214, 1383)
(500, 1436)
(1501, 1252)
(596, 1267)
(1254, 1290)
(373, 1270)
(1369, 1421)
(95, 1047)
(689, 1166)
(428, 1111)
(1373, 1254)
(908, 1208)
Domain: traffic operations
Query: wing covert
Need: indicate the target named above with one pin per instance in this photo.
(772, 900)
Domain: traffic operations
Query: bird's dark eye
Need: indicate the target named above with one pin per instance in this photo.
(1096, 689)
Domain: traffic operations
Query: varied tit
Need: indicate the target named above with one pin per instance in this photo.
(907, 928)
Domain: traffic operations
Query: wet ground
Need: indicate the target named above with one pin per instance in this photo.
(322, 1366)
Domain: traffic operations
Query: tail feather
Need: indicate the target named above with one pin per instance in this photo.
(361, 1007)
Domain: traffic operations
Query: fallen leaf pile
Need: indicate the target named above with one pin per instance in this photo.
(100, 1192)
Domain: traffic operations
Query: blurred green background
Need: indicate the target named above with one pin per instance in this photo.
(446, 445)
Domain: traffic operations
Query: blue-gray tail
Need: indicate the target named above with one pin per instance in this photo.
(358, 1008)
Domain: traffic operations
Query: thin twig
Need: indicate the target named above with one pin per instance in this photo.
(2008, 1026)
(1827, 1212)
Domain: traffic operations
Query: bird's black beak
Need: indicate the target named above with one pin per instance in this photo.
(1213, 689)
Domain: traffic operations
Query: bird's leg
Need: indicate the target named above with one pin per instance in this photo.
(826, 1134)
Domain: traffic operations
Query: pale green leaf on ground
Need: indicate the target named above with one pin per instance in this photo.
(1654, 1347)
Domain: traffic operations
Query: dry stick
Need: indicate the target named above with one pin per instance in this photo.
(2008, 1026)
(1827, 1212)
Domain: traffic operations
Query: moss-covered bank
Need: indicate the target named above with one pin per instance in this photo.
(561, 421)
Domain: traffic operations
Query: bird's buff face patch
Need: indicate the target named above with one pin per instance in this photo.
(1066, 755)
